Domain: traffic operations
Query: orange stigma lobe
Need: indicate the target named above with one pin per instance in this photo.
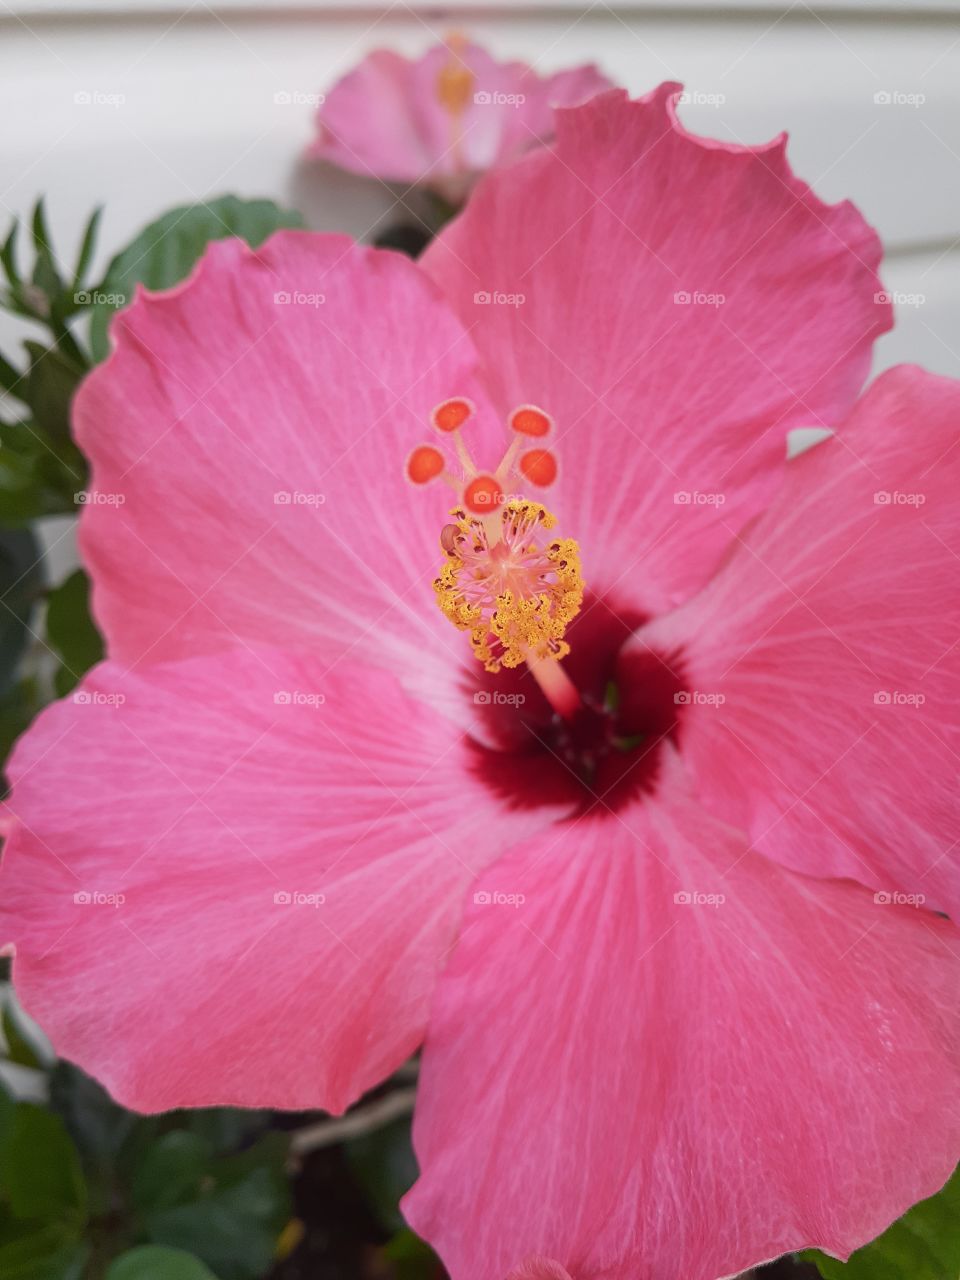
(450, 415)
(424, 464)
(482, 495)
(528, 420)
(539, 466)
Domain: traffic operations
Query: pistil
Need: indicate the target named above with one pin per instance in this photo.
(505, 578)
(455, 86)
(556, 686)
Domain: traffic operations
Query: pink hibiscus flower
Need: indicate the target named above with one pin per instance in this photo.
(680, 1009)
(444, 118)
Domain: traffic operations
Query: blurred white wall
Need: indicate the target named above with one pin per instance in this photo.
(182, 106)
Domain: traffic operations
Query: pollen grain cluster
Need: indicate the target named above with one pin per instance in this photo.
(514, 590)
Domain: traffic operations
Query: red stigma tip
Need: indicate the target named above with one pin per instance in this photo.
(424, 464)
(449, 415)
(482, 495)
(528, 420)
(539, 466)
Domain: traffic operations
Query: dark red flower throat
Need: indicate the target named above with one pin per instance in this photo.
(608, 751)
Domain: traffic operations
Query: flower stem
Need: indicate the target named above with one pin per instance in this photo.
(558, 689)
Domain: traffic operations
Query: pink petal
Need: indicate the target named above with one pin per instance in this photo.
(534, 118)
(671, 416)
(179, 803)
(385, 118)
(832, 638)
(637, 1085)
(378, 121)
(249, 457)
(539, 1269)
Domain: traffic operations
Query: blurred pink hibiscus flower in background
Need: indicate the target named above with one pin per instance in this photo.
(617, 930)
(442, 119)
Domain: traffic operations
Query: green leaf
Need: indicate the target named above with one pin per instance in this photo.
(38, 1252)
(46, 276)
(46, 297)
(21, 583)
(71, 631)
(269, 1153)
(411, 1258)
(19, 1047)
(52, 380)
(40, 1168)
(171, 1172)
(166, 251)
(87, 248)
(18, 706)
(226, 1128)
(386, 1168)
(151, 1262)
(233, 1227)
(11, 379)
(38, 477)
(8, 1109)
(96, 1123)
(109, 1139)
(923, 1245)
(24, 494)
(8, 256)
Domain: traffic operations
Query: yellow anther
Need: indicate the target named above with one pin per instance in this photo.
(516, 594)
(455, 83)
